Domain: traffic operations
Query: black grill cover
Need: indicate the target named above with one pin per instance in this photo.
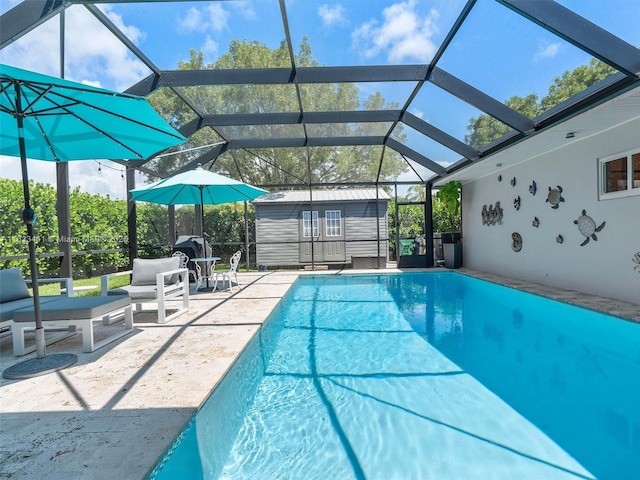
(194, 247)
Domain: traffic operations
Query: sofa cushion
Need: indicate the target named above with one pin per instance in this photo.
(146, 269)
(12, 285)
(136, 292)
(74, 308)
(7, 308)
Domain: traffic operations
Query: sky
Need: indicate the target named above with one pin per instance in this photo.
(496, 51)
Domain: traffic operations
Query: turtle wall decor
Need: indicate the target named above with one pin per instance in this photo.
(536, 222)
(516, 203)
(533, 188)
(516, 244)
(587, 227)
(554, 197)
(513, 182)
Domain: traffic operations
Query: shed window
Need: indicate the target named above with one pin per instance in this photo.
(333, 220)
(620, 175)
(309, 222)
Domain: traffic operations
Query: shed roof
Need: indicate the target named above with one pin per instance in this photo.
(342, 195)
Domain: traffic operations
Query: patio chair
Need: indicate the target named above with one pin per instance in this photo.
(232, 272)
(196, 271)
(154, 280)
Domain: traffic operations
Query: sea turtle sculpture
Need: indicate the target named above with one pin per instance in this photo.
(554, 197)
(587, 227)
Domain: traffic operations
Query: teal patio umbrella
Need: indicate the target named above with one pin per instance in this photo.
(53, 119)
(197, 187)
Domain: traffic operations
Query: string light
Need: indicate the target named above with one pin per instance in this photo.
(100, 165)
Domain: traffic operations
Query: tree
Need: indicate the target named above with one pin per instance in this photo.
(442, 220)
(417, 193)
(282, 165)
(448, 198)
(97, 223)
(484, 129)
(575, 81)
(410, 222)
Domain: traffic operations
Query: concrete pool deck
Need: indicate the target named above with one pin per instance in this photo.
(115, 412)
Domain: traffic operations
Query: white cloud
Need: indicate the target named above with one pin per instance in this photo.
(212, 17)
(210, 46)
(245, 8)
(403, 34)
(548, 51)
(192, 21)
(92, 54)
(332, 15)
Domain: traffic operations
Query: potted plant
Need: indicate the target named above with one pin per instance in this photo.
(449, 196)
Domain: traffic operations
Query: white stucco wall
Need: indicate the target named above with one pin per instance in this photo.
(603, 267)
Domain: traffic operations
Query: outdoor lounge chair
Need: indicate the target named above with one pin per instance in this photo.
(154, 280)
(232, 272)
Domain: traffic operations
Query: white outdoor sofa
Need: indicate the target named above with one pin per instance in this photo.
(14, 293)
(154, 280)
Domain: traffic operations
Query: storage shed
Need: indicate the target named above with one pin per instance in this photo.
(322, 227)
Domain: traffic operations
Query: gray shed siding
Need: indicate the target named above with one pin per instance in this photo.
(280, 222)
(361, 224)
(277, 223)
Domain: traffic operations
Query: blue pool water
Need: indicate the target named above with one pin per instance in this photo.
(420, 376)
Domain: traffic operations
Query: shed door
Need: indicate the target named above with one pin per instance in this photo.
(333, 247)
(327, 229)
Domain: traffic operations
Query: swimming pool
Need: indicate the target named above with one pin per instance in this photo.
(425, 375)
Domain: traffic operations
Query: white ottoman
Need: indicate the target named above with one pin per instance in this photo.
(66, 312)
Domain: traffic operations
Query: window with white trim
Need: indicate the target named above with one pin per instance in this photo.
(333, 223)
(619, 175)
(309, 223)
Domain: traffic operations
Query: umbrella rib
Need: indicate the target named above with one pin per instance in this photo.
(42, 90)
(64, 108)
(5, 92)
(108, 112)
(40, 93)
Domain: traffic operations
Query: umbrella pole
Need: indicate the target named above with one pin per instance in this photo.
(28, 217)
(42, 363)
(204, 240)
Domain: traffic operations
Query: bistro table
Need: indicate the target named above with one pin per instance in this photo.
(209, 262)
